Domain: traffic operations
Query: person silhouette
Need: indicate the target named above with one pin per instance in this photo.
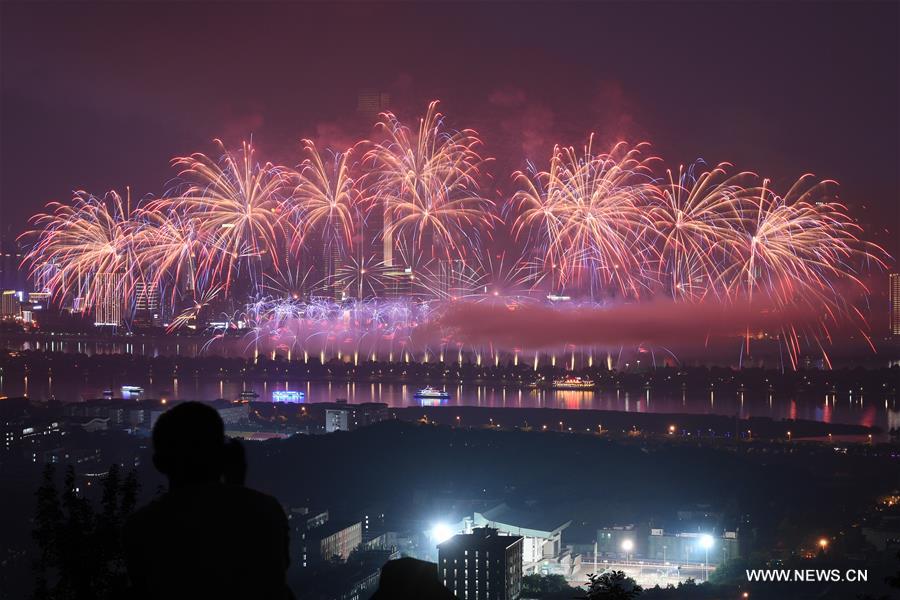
(410, 579)
(208, 536)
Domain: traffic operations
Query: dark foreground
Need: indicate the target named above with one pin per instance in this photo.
(402, 475)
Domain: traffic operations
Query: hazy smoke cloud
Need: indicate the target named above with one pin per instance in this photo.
(546, 327)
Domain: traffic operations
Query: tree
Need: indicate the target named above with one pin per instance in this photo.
(612, 585)
(79, 548)
(47, 522)
(75, 542)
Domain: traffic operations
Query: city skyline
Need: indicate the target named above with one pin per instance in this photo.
(406, 217)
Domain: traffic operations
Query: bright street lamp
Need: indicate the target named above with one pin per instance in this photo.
(627, 547)
(441, 532)
(706, 542)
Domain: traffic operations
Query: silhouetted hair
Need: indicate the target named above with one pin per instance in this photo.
(189, 442)
(410, 579)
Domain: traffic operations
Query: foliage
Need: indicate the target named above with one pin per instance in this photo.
(80, 552)
(547, 586)
(612, 585)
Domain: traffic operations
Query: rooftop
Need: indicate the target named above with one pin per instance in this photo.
(483, 537)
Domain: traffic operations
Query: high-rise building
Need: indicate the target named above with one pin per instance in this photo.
(336, 420)
(332, 264)
(376, 236)
(146, 304)
(10, 304)
(482, 565)
(449, 277)
(108, 306)
(398, 283)
(370, 103)
(43, 276)
(895, 304)
(11, 276)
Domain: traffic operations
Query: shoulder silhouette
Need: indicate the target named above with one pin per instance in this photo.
(208, 536)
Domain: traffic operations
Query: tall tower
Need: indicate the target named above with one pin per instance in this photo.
(108, 303)
(371, 102)
(895, 304)
(332, 264)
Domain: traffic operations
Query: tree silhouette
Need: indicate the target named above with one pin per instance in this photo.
(79, 548)
(612, 585)
(47, 523)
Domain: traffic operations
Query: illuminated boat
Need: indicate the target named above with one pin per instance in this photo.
(287, 396)
(108, 394)
(131, 390)
(431, 395)
(572, 383)
(248, 395)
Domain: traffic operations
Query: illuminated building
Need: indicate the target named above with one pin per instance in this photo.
(338, 539)
(895, 304)
(481, 565)
(108, 309)
(541, 534)
(686, 546)
(10, 304)
(621, 541)
(146, 304)
(318, 539)
(332, 263)
(302, 520)
(28, 435)
(336, 420)
(340, 416)
(398, 283)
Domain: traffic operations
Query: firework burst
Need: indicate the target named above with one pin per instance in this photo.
(326, 198)
(236, 204)
(698, 221)
(587, 213)
(167, 249)
(427, 182)
(593, 226)
(81, 249)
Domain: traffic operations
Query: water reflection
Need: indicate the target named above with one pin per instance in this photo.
(833, 410)
(850, 408)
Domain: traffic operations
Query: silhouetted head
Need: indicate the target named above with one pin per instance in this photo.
(410, 578)
(188, 444)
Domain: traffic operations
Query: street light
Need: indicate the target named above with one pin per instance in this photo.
(706, 542)
(627, 547)
(441, 532)
(823, 543)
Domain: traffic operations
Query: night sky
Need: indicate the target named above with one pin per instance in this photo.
(100, 96)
